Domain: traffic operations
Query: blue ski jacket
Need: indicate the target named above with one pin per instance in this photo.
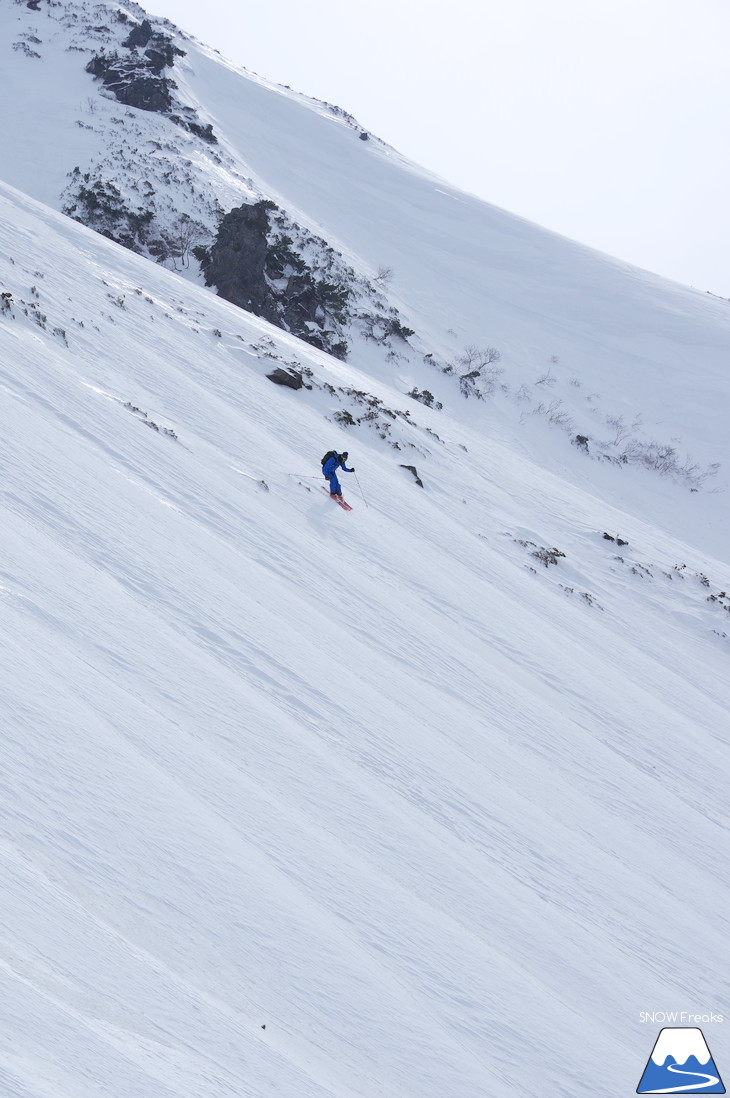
(332, 464)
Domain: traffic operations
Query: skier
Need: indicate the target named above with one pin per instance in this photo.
(329, 470)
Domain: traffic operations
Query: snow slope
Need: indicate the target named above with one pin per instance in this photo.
(438, 815)
(435, 791)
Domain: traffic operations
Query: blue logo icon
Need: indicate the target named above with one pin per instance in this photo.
(680, 1063)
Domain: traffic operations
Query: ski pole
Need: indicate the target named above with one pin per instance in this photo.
(303, 476)
(361, 491)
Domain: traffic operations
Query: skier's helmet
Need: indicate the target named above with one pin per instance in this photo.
(345, 455)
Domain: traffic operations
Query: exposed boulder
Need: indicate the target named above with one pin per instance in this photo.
(133, 81)
(412, 469)
(139, 35)
(291, 378)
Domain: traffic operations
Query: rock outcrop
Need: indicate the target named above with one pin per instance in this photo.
(258, 269)
(137, 78)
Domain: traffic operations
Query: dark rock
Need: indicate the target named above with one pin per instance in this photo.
(147, 94)
(268, 278)
(364, 136)
(139, 35)
(132, 83)
(203, 131)
(136, 79)
(238, 261)
(412, 469)
(160, 52)
(157, 60)
(291, 378)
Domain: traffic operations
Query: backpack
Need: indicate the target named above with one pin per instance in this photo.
(327, 456)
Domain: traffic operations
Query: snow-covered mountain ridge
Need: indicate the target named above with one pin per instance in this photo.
(435, 791)
(633, 365)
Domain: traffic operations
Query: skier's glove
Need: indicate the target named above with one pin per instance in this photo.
(353, 469)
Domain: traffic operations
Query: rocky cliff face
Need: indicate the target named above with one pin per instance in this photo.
(264, 262)
(238, 258)
(254, 264)
(136, 77)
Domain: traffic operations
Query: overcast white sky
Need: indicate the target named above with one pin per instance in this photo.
(605, 120)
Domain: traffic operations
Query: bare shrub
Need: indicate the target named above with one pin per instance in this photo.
(663, 458)
(477, 371)
(555, 414)
(622, 430)
(384, 277)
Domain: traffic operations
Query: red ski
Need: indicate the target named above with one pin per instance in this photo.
(338, 499)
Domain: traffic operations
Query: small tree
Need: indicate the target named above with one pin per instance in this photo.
(477, 371)
(182, 237)
(384, 277)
